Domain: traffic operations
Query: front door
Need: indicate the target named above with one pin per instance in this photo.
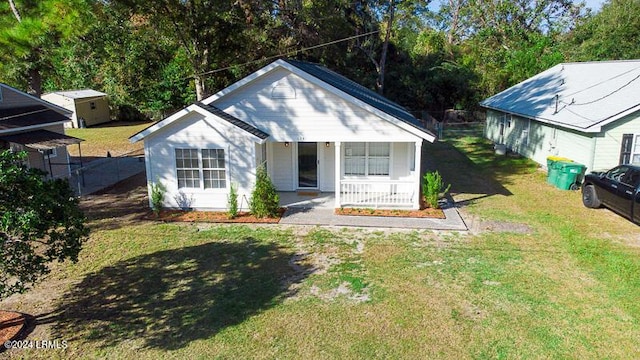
(308, 165)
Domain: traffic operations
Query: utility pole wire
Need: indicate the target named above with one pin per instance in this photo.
(228, 67)
(292, 52)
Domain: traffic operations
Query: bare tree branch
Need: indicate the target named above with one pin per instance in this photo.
(15, 10)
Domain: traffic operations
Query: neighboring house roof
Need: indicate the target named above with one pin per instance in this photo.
(580, 96)
(20, 117)
(21, 111)
(316, 74)
(79, 94)
(41, 139)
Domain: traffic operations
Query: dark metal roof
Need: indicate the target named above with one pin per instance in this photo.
(234, 120)
(358, 91)
(41, 139)
(18, 117)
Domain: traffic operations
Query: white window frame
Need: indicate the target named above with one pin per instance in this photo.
(49, 153)
(367, 157)
(208, 182)
(635, 150)
(204, 183)
(524, 135)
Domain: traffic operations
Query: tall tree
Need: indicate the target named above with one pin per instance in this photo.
(213, 33)
(507, 41)
(611, 34)
(376, 14)
(31, 30)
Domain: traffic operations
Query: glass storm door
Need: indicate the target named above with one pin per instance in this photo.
(308, 165)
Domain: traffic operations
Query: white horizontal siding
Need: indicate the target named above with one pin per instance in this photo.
(328, 167)
(313, 114)
(540, 142)
(196, 132)
(492, 126)
(608, 145)
(281, 166)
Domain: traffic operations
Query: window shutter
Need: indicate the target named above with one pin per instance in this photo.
(625, 149)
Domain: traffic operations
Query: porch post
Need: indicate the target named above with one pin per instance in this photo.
(338, 189)
(417, 175)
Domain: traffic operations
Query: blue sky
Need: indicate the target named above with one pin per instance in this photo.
(595, 5)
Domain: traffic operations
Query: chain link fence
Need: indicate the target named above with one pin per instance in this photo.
(95, 175)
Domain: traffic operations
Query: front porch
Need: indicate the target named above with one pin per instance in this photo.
(383, 175)
(363, 196)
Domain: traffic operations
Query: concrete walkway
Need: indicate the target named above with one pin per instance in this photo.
(319, 210)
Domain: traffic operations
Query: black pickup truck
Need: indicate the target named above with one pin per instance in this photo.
(618, 189)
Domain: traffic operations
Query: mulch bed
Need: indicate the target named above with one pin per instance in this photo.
(423, 213)
(11, 324)
(211, 216)
(245, 217)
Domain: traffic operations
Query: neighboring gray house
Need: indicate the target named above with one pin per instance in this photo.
(33, 125)
(314, 129)
(588, 112)
(88, 107)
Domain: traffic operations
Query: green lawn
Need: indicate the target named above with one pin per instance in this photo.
(111, 137)
(566, 287)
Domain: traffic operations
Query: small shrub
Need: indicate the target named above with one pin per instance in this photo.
(232, 202)
(157, 197)
(432, 187)
(265, 201)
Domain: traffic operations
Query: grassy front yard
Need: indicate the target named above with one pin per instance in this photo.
(538, 277)
(111, 137)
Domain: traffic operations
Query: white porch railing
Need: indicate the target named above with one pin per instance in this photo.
(375, 193)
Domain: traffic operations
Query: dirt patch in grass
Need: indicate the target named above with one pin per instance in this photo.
(424, 213)
(211, 216)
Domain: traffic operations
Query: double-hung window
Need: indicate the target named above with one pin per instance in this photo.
(366, 159)
(213, 170)
(201, 166)
(630, 149)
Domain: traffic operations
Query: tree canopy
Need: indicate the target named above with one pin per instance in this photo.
(159, 56)
(40, 222)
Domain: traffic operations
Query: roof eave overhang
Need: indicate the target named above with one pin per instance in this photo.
(178, 115)
(33, 127)
(591, 129)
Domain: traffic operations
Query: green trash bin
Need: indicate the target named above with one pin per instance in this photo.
(553, 169)
(569, 175)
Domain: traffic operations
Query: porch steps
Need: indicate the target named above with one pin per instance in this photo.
(308, 193)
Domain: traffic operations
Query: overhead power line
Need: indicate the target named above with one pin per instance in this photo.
(288, 53)
(292, 52)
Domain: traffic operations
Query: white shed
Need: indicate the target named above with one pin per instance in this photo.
(89, 107)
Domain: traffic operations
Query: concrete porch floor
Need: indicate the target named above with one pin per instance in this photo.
(294, 199)
(319, 210)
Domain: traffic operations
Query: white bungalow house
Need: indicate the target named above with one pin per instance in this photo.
(35, 126)
(588, 112)
(312, 128)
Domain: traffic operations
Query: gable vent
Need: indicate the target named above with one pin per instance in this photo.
(283, 91)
